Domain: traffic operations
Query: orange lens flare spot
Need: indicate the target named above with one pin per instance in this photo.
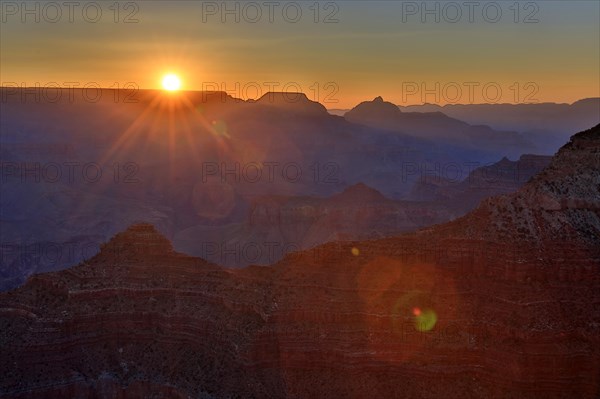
(355, 251)
(416, 311)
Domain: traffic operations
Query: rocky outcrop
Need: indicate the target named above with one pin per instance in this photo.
(502, 177)
(560, 204)
(295, 102)
(467, 309)
(277, 225)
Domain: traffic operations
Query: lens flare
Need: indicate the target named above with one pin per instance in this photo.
(425, 320)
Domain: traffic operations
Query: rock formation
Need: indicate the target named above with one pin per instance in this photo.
(502, 303)
(277, 225)
(502, 177)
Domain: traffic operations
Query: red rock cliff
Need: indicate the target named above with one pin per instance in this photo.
(502, 303)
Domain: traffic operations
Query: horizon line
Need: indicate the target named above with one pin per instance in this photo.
(215, 92)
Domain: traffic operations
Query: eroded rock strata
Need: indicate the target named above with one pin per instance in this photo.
(501, 303)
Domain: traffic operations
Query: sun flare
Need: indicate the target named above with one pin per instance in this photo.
(171, 82)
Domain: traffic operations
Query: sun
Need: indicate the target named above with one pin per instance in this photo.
(171, 82)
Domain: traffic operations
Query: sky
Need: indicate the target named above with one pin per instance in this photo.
(339, 53)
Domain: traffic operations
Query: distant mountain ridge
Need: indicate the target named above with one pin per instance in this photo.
(435, 126)
(552, 122)
(548, 124)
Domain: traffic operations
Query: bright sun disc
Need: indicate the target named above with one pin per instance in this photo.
(171, 82)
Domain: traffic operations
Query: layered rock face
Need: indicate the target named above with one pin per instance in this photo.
(501, 303)
(560, 204)
(359, 212)
(502, 177)
(278, 225)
